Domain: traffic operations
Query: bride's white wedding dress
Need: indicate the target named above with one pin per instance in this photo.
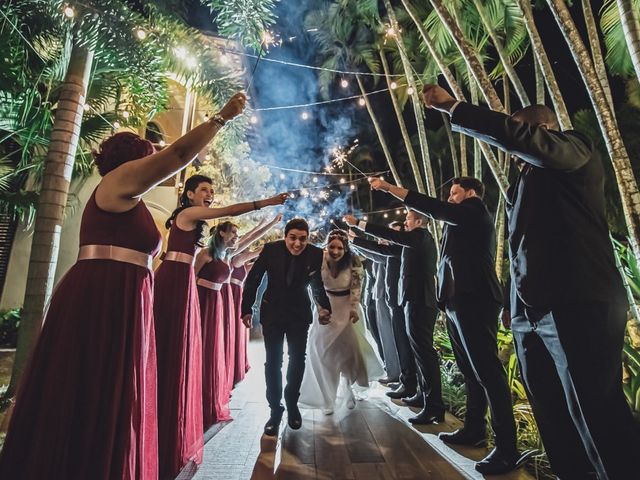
(341, 348)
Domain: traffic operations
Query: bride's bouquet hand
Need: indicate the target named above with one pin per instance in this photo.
(324, 316)
(353, 316)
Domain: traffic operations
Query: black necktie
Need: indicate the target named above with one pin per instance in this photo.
(291, 271)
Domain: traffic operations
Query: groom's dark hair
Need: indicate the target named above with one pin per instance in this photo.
(296, 224)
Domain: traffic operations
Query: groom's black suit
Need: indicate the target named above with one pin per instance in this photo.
(285, 310)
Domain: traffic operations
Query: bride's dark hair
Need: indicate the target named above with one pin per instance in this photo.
(348, 257)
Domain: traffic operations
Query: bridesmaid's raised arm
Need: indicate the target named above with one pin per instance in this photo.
(121, 188)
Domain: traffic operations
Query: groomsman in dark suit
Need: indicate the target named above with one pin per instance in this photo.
(391, 254)
(568, 304)
(470, 294)
(291, 265)
(369, 304)
(416, 293)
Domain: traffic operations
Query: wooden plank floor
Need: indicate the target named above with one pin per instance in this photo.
(372, 442)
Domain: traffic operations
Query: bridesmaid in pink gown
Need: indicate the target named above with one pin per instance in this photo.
(86, 404)
(241, 363)
(178, 329)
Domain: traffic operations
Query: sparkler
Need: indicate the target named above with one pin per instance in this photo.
(268, 38)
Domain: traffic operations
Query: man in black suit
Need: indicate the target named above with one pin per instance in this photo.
(568, 304)
(369, 304)
(291, 266)
(390, 254)
(470, 294)
(416, 293)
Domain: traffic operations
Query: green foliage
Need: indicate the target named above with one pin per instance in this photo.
(243, 20)
(9, 323)
(617, 57)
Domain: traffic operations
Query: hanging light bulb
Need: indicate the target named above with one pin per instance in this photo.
(381, 178)
(397, 212)
(304, 116)
(342, 180)
(282, 176)
(353, 187)
(410, 90)
(393, 85)
(69, 11)
(344, 83)
(116, 125)
(245, 169)
(253, 119)
(315, 179)
(207, 157)
(365, 218)
(141, 34)
(162, 143)
(386, 215)
(86, 107)
(362, 102)
(125, 114)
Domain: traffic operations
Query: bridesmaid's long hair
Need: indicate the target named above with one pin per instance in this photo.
(190, 185)
(348, 258)
(217, 248)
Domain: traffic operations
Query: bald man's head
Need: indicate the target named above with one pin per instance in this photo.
(539, 115)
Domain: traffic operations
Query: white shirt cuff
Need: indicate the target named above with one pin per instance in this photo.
(455, 105)
(362, 225)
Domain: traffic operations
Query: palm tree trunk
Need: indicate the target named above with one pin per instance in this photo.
(501, 179)
(464, 169)
(502, 54)
(452, 145)
(500, 224)
(540, 97)
(596, 51)
(51, 204)
(403, 126)
(629, 17)
(477, 165)
(378, 129)
(617, 151)
(470, 56)
(545, 64)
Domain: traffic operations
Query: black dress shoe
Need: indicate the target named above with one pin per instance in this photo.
(294, 417)
(393, 385)
(427, 417)
(464, 437)
(497, 462)
(416, 401)
(273, 425)
(401, 392)
(387, 380)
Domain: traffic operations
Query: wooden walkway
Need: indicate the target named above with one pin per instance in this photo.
(373, 441)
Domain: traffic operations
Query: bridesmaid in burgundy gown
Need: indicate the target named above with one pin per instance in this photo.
(241, 362)
(178, 329)
(86, 404)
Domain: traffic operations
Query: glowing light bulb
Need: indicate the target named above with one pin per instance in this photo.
(344, 83)
(125, 114)
(180, 185)
(353, 187)
(391, 31)
(315, 179)
(207, 157)
(245, 169)
(162, 143)
(69, 12)
(141, 34)
(86, 107)
(305, 116)
(365, 218)
(282, 176)
(386, 215)
(381, 178)
(397, 212)
(292, 195)
(393, 85)
(342, 180)
(362, 102)
(116, 125)
(253, 119)
(410, 90)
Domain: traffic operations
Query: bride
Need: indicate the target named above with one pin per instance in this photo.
(341, 348)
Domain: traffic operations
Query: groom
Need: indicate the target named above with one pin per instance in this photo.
(291, 266)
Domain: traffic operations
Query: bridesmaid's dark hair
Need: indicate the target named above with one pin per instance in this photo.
(347, 258)
(217, 248)
(190, 185)
(120, 148)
